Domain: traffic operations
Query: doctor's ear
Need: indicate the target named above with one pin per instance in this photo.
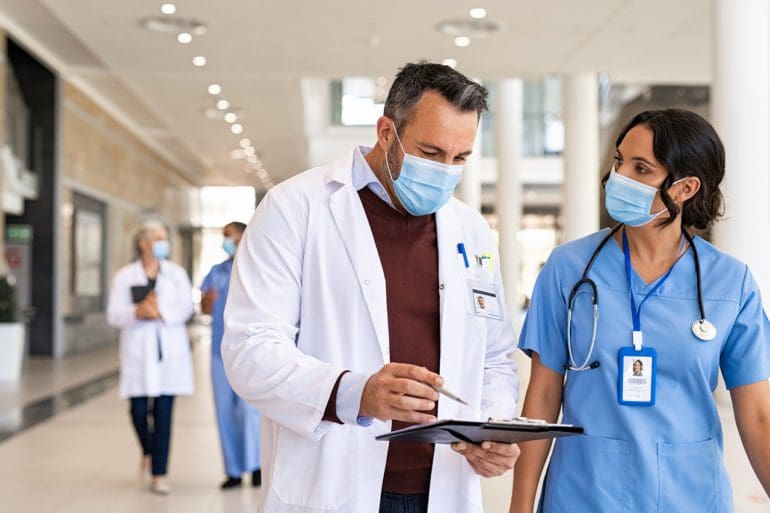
(386, 134)
(686, 189)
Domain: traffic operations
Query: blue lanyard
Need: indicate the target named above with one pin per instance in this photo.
(636, 313)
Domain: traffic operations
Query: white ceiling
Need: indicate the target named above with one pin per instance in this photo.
(258, 51)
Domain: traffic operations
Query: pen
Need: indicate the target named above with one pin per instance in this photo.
(461, 251)
(447, 393)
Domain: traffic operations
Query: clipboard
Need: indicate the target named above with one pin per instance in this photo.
(494, 430)
(139, 292)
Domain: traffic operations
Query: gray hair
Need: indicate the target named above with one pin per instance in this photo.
(143, 232)
(413, 80)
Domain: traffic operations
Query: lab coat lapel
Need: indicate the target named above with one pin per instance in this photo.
(452, 290)
(350, 218)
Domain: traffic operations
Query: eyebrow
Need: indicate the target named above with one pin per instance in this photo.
(441, 150)
(640, 159)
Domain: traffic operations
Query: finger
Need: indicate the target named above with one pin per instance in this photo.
(412, 417)
(501, 449)
(488, 467)
(414, 388)
(405, 402)
(477, 452)
(404, 370)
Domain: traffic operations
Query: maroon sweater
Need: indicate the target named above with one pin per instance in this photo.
(408, 250)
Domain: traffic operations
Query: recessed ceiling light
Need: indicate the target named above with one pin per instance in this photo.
(223, 104)
(478, 13)
(462, 41)
(236, 128)
(168, 8)
(452, 63)
(262, 173)
(249, 151)
(252, 159)
(231, 117)
(215, 89)
(173, 25)
(199, 60)
(184, 38)
(245, 143)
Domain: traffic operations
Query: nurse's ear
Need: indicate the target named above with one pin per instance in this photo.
(684, 189)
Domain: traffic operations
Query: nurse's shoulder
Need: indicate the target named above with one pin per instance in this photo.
(726, 275)
(571, 257)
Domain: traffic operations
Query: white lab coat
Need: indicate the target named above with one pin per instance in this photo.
(141, 371)
(307, 301)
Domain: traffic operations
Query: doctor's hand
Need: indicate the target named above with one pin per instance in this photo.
(148, 308)
(490, 459)
(400, 391)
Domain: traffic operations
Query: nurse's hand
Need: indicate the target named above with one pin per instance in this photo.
(490, 459)
(400, 391)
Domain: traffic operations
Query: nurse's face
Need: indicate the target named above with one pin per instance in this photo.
(437, 130)
(635, 159)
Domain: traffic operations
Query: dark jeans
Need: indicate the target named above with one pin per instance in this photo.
(155, 440)
(399, 503)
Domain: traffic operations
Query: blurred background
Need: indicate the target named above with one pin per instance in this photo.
(113, 113)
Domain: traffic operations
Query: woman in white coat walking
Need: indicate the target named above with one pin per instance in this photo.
(150, 302)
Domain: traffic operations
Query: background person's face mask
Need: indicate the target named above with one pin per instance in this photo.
(628, 201)
(229, 246)
(161, 249)
(423, 186)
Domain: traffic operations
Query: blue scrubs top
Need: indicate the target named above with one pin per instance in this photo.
(666, 457)
(218, 279)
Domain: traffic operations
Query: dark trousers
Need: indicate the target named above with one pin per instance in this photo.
(156, 439)
(403, 503)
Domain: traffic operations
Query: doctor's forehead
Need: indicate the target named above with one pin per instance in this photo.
(638, 144)
(436, 121)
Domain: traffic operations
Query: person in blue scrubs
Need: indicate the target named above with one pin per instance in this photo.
(238, 422)
(653, 442)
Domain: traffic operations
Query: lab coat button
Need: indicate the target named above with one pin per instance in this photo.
(441, 286)
(368, 282)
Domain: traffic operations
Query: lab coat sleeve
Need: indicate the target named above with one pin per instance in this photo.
(121, 312)
(500, 393)
(262, 319)
(745, 356)
(177, 308)
(544, 329)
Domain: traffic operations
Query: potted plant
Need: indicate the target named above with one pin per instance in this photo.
(11, 331)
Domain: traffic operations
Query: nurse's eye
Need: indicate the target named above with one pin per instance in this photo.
(642, 170)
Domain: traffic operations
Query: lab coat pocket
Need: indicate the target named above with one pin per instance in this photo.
(315, 474)
(687, 477)
(590, 467)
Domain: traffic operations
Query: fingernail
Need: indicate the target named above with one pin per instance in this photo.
(486, 445)
(461, 446)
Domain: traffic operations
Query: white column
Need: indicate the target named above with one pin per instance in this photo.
(581, 156)
(741, 116)
(508, 131)
(469, 188)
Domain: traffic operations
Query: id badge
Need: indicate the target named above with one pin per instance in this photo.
(637, 372)
(486, 302)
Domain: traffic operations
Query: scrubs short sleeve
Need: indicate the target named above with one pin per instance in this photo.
(745, 357)
(544, 330)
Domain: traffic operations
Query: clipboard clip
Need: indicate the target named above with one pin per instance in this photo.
(515, 420)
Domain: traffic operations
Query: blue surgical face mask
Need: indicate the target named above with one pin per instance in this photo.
(423, 186)
(229, 246)
(628, 201)
(161, 249)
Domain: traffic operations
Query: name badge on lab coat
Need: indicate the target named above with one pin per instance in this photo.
(636, 376)
(486, 302)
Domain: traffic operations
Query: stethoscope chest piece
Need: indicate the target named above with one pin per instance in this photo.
(704, 330)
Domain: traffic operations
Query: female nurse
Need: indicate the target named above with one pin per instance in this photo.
(652, 443)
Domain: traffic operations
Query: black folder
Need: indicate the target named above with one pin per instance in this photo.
(504, 431)
(139, 292)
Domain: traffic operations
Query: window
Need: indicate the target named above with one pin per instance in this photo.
(358, 101)
(88, 254)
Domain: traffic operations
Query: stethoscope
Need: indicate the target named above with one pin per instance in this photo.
(701, 328)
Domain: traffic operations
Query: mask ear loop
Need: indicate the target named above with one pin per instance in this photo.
(387, 164)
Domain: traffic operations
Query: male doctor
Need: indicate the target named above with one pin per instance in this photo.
(352, 295)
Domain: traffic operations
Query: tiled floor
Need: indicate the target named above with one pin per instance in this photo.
(85, 460)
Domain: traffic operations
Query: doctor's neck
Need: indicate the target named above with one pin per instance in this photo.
(376, 160)
(151, 264)
(652, 243)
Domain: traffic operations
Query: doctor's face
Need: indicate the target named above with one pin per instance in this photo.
(436, 130)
